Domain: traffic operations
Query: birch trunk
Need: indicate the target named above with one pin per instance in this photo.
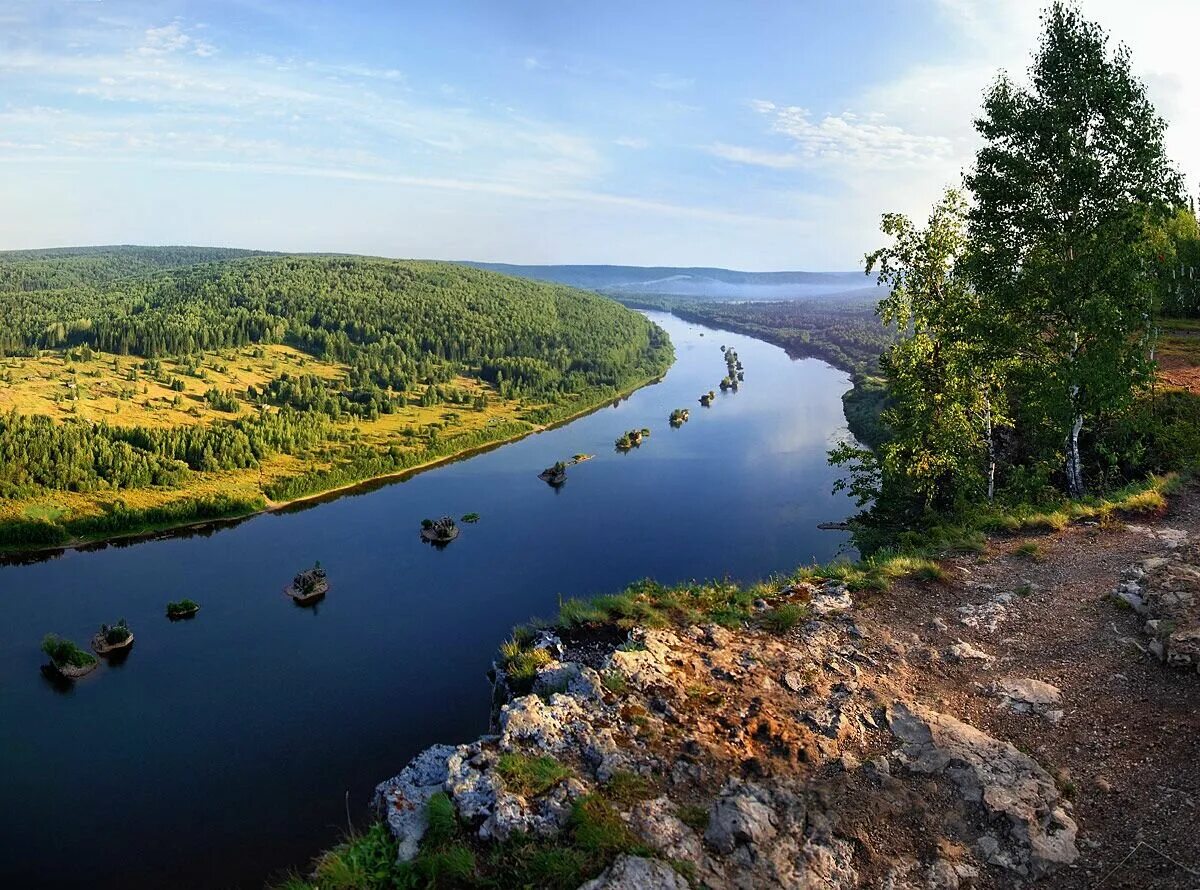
(991, 448)
(1074, 465)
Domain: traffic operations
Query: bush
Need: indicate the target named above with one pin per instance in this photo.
(64, 653)
(116, 633)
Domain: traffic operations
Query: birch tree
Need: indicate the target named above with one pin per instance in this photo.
(940, 374)
(1070, 178)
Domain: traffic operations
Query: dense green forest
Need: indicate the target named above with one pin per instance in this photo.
(404, 330)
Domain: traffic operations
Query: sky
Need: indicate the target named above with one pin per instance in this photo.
(750, 135)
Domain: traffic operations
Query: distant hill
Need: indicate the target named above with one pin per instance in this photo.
(694, 282)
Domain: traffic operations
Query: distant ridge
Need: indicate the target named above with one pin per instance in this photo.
(698, 282)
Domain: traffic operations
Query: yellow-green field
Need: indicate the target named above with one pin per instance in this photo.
(101, 389)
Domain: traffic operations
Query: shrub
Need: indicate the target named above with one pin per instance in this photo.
(116, 633)
(1029, 550)
(64, 653)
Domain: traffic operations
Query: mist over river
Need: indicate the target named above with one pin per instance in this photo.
(221, 750)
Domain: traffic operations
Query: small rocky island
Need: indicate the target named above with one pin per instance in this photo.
(632, 439)
(67, 660)
(111, 638)
(308, 586)
(554, 475)
(557, 474)
(184, 608)
(707, 398)
(734, 371)
(439, 531)
(679, 417)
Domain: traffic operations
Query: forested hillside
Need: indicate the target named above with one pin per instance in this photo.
(118, 378)
(62, 267)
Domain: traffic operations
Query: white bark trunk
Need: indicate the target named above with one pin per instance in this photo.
(991, 449)
(1074, 464)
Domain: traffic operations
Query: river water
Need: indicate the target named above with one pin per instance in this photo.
(223, 748)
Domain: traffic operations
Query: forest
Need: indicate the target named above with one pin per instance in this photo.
(369, 338)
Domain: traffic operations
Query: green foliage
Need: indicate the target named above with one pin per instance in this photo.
(521, 663)
(119, 520)
(695, 817)
(614, 681)
(1070, 181)
(530, 776)
(470, 518)
(64, 653)
(177, 608)
(115, 633)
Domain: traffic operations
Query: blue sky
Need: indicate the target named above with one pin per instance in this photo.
(749, 135)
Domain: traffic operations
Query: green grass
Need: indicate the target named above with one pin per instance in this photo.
(784, 617)
(531, 776)
(1031, 550)
(627, 788)
(615, 682)
(695, 817)
(521, 663)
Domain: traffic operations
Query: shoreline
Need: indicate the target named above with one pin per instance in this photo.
(9, 555)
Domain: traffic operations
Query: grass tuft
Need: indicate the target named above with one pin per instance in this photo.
(531, 776)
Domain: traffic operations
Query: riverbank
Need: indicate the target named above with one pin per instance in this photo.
(1000, 720)
(219, 510)
(850, 339)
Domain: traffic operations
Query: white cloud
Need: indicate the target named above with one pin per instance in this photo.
(741, 154)
(861, 139)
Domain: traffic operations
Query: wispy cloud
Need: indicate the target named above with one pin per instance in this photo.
(851, 138)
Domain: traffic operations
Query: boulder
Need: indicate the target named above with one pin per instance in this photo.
(741, 815)
(1039, 835)
(1025, 695)
(637, 873)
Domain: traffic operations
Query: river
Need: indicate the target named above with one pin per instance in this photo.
(222, 749)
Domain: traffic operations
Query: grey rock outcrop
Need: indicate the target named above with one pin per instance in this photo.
(1038, 833)
(637, 873)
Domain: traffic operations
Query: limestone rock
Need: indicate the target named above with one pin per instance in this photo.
(1009, 785)
(741, 815)
(1025, 695)
(831, 600)
(544, 725)
(656, 823)
(961, 651)
(646, 661)
(637, 873)
(401, 800)
(580, 682)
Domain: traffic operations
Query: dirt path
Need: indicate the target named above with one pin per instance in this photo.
(1127, 749)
